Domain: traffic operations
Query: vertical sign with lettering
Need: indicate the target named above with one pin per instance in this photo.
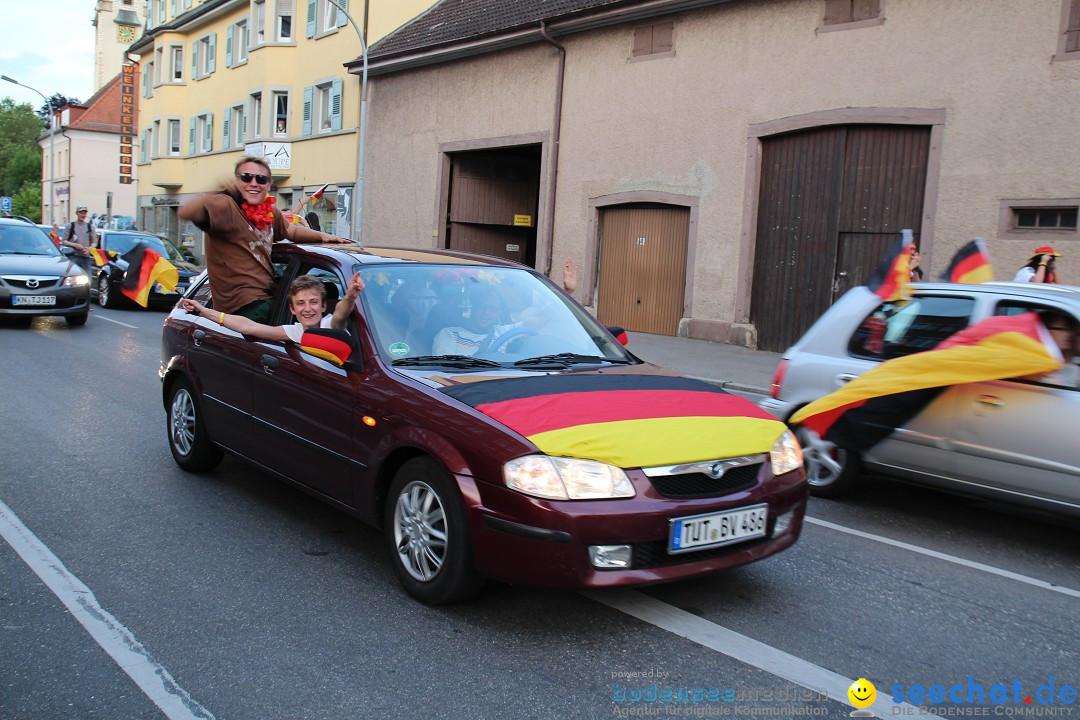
(127, 121)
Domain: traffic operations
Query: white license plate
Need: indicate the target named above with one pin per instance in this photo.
(33, 299)
(698, 532)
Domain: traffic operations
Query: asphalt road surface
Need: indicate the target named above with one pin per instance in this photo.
(130, 589)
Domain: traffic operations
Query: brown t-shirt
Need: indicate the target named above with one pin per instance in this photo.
(238, 255)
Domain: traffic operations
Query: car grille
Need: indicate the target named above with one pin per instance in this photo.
(42, 283)
(702, 485)
(655, 554)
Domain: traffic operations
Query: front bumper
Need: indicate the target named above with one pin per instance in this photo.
(528, 541)
(69, 301)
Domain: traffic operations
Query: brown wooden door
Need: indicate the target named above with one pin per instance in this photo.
(493, 203)
(832, 201)
(643, 267)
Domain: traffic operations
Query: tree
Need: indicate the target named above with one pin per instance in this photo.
(24, 165)
(58, 101)
(19, 131)
(27, 202)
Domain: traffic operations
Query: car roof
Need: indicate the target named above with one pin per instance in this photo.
(383, 255)
(1042, 291)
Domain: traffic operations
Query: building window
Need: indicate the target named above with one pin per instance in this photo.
(1069, 35)
(284, 20)
(258, 20)
(329, 15)
(654, 40)
(322, 108)
(201, 137)
(1044, 218)
(281, 113)
(238, 125)
(152, 135)
(174, 137)
(846, 12)
(177, 59)
(237, 40)
(1039, 220)
(323, 17)
(256, 114)
(148, 79)
(159, 63)
(203, 61)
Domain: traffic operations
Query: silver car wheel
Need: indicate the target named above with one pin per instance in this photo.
(420, 531)
(824, 460)
(182, 421)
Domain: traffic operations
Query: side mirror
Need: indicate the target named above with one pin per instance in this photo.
(620, 335)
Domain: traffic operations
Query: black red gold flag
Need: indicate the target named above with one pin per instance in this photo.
(146, 267)
(330, 344)
(891, 280)
(970, 264)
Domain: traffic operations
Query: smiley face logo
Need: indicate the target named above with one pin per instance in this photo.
(862, 693)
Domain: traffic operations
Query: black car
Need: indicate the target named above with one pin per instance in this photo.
(36, 278)
(108, 279)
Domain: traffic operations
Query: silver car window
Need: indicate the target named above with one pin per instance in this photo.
(903, 328)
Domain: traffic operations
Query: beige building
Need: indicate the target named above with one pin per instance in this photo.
(117, 24)
(724, 169)
(222, 78)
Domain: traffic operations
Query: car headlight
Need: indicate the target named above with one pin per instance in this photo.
(559, 478)
(786, 454)
(75, 280)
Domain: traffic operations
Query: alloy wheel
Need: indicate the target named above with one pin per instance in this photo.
(420, 531)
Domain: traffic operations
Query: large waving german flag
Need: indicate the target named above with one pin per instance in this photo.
(892, 278)
(872, 405)
(623, 419)
(146, 267)
(101, 257)
(970, 264)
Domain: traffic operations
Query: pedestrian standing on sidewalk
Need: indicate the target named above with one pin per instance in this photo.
(1039, 267)
(241, 224)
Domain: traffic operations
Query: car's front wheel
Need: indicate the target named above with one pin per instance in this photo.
(831, 470)
(428, 535)
(190, 444)
(106, 297)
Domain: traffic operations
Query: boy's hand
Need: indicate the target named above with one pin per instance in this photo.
(356, 286)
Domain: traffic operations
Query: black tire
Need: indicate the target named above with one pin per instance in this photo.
(191, 446)
(831, 471)
(106, 296)
(428, 535)
(77, 320)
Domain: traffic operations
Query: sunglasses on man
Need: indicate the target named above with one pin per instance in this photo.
(248, 177)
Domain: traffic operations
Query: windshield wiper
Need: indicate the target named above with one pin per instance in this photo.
(570, 359)
(445, 360)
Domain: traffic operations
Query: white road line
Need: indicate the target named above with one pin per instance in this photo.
(113, 637)
(744, 649)
(948, 558)
(99, 316)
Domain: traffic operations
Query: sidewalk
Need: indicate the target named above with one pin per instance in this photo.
(729, 366)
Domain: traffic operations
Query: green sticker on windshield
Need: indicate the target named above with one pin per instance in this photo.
(399, 348)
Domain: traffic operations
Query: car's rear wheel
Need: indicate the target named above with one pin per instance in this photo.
(428, 535)
(831, 470)
(77, 320)
(105, 296)
(190, 444)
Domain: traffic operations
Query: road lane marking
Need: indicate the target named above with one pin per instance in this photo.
(115, 639)
(744, 649)
(99, 316)
(948, 558)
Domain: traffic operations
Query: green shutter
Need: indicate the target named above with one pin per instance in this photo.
(142, 146)
(311, 18)
(209, 136)
(335, 105)
(226, 141)
(228, 46)
(342, 18)
(211, 62)
(191, 138)
(308, 92)
(194, 59)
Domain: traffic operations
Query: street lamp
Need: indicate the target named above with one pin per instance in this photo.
(358, 196)
(52, 133)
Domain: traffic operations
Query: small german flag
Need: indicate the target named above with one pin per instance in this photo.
(330, 344)
(101, 257)
(146, 267)
(970, 264)
(891, 280)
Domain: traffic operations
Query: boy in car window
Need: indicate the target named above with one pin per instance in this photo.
(307, 302)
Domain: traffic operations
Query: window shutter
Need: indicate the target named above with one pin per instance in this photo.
(211, 52)
(161, 11)
(142, 146)
(335, 105)
(194, 59)
(187, 4)
(1072, 32)
(308, 91)
(642, 41)
(228, 45)
(310, 18)
(145, 79)
(342, 20)
(209, 135)
(172, 8)
(662, 37)
(243, 118)
(191, 138)
(226, 141)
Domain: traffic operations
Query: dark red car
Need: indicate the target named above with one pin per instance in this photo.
(490, 426)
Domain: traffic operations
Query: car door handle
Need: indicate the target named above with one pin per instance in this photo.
(989, 401)
(198, 336)
(845, 378)
(269, 363)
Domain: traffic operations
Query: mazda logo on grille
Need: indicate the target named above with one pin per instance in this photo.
(32, 283)
(716, 469)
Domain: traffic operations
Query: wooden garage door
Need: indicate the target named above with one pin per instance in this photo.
(831, 202)
(643, 267)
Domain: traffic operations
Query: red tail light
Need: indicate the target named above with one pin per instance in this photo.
(778, 379)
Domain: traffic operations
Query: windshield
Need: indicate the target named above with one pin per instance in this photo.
(475, 317)
(25, 240)
(118, 243)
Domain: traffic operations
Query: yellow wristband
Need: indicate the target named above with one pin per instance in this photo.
(221, 319)
(1042, 264)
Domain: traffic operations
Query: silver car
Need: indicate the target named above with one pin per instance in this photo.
(1013, 440)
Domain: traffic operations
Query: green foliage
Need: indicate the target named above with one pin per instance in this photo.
(24, 165)
(58, 101)
(19, 130)
(27, 202)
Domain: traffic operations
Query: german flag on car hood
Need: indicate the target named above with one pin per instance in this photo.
(624, 419)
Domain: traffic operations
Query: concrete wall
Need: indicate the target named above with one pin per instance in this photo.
(688, 124)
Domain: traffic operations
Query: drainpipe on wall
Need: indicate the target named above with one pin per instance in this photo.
(553, 175)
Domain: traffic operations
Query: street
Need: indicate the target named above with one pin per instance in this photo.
(131, 589)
